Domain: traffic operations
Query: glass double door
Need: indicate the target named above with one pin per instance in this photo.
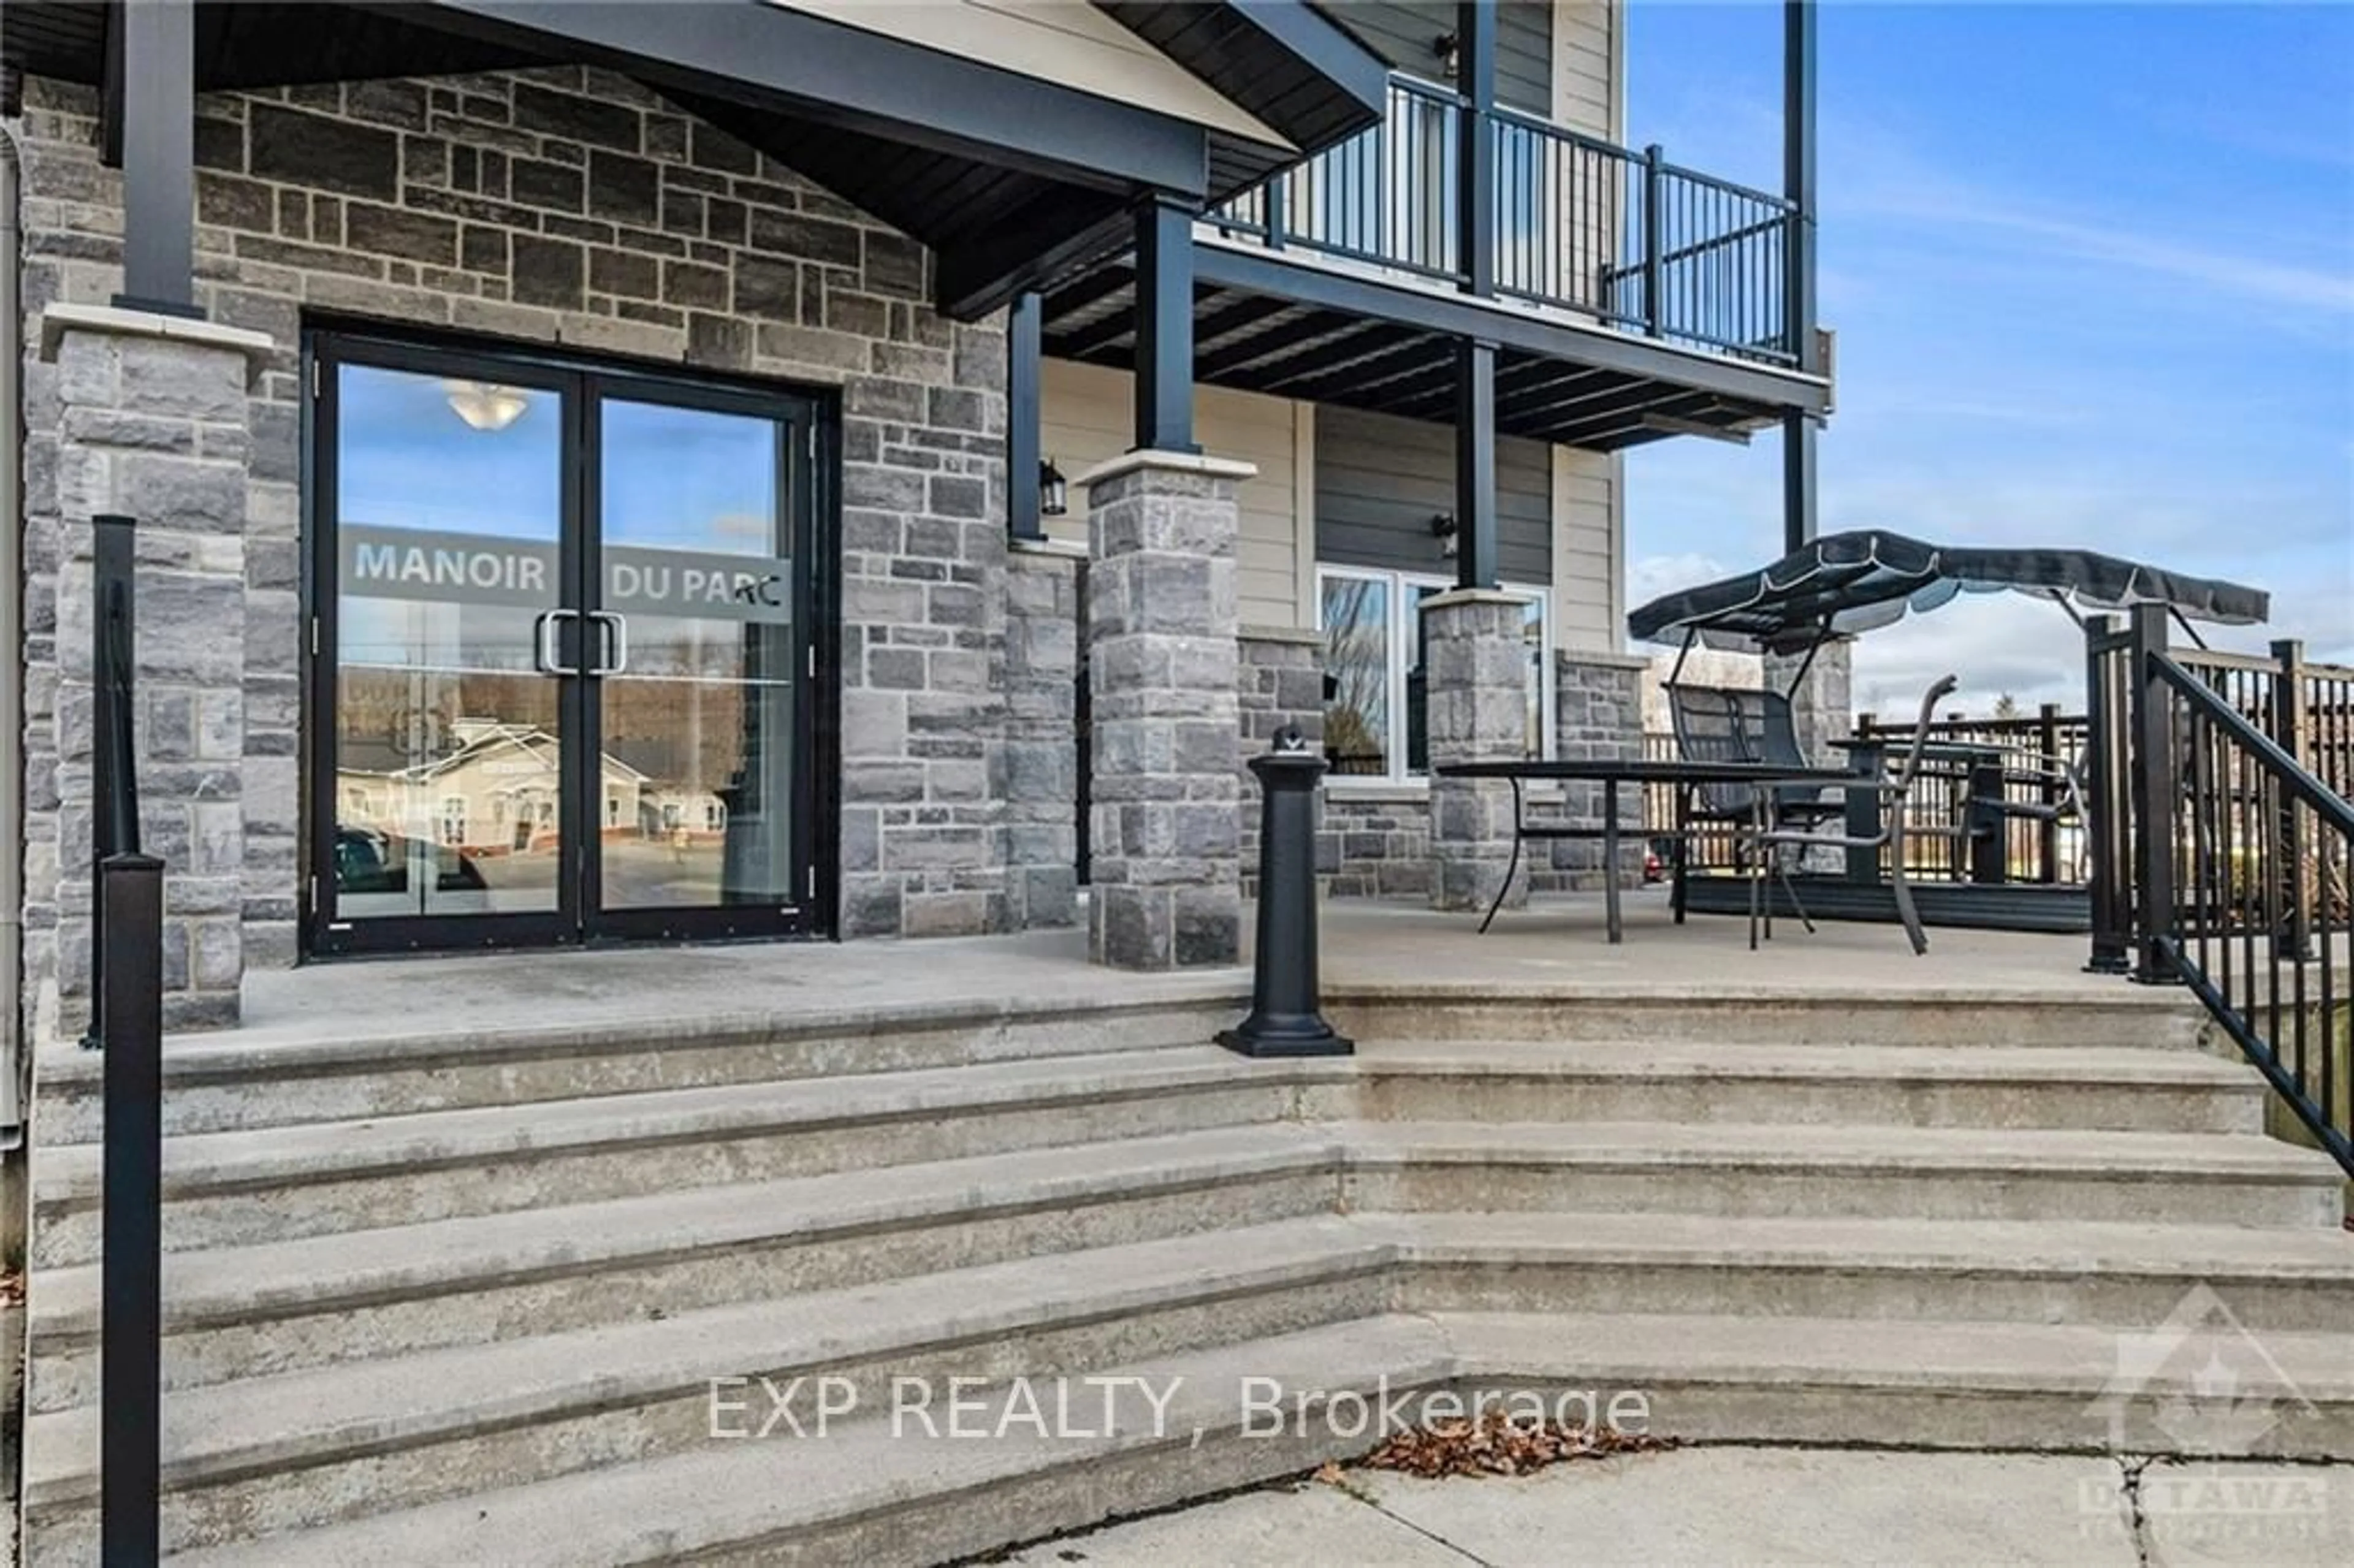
(562, 654)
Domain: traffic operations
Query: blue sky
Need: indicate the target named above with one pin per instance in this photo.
(2092, 273)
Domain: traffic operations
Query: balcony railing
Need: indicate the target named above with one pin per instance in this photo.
(1625, 238)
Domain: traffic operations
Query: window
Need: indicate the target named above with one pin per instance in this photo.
(1374, 697)
(453, 819)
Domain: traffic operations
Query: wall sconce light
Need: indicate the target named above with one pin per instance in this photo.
(487, 405)
(1053, 491)
(1448, 47)
(1442, 528)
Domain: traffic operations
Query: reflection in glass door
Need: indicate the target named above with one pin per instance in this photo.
(449, 734)
(562, 650)
(695, 699)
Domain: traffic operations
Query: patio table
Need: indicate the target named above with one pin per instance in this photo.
(1611, 772)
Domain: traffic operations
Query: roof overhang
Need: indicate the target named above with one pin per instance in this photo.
(1012, 179)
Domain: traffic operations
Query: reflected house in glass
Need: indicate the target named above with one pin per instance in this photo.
(608, 453)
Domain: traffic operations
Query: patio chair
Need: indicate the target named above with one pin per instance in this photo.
(1764, 835)
(1728, 724)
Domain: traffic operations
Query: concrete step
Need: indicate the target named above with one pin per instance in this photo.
(305, 1448)
(1533, 1005)
(359, 1068)
(231, 1189)
(278, 1307)
(2033, 1386)
(2132, 1276)
(2111, 1088)
(1889, 1173)
(869, 1492)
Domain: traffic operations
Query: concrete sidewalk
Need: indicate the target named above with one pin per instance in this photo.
(1752, 1508)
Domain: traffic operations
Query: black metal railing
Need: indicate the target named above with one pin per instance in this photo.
(127, 1024)
(2236, 876)
(2021, 767)
(1578, 224)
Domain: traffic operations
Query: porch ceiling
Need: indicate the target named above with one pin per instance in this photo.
(1266, 342)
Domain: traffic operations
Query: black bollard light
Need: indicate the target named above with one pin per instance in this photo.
(1285, 1017)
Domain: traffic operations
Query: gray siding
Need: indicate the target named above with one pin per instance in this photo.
(1402, 31)
(1381, 479)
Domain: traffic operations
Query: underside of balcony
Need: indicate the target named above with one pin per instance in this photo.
(1302, 329)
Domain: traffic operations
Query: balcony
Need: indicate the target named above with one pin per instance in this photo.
(1630, 298)
(1625, 238)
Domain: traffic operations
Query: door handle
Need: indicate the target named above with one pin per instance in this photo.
(616, 627)
(545, 655)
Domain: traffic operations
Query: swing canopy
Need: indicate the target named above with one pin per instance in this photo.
(1855, 582)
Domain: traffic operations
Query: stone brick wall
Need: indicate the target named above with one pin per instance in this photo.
(563, 207)
(1375, 844)
(1280, 683)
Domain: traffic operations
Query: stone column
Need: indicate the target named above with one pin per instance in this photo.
(1598, 713)
(1166, 827)
(1282, 684)
(152, 424)
(1822, 709)
(1041, 754)
(1475, 662)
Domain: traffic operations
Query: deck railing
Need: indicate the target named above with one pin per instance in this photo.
(2025, 763)
(1577, 224)
(2228, 862)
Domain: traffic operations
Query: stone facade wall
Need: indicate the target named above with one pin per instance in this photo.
(552, 206)
(1375, 844)
(1281, 685)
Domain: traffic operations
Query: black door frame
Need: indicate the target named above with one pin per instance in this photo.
(813, 500)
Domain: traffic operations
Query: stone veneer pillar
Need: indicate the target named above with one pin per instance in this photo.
(1822, 709)
(1476, 696)
(152, 424)
(1042, 753)
(1166, 830)
(1598, 713)
(1279, 685)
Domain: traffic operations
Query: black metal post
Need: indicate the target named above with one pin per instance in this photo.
(1799, 503)
(1025, 327)
(1988, 831)
(2104, 832)
(156, 77)
(2154, 788)
(2293, 938)
(114, 791)
(1655, 242)
(130, 928)
(2047, 831)
(1165, 327)
(1475, 79)
(1476, 563)
(1286, 1016)
(1798, 179)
